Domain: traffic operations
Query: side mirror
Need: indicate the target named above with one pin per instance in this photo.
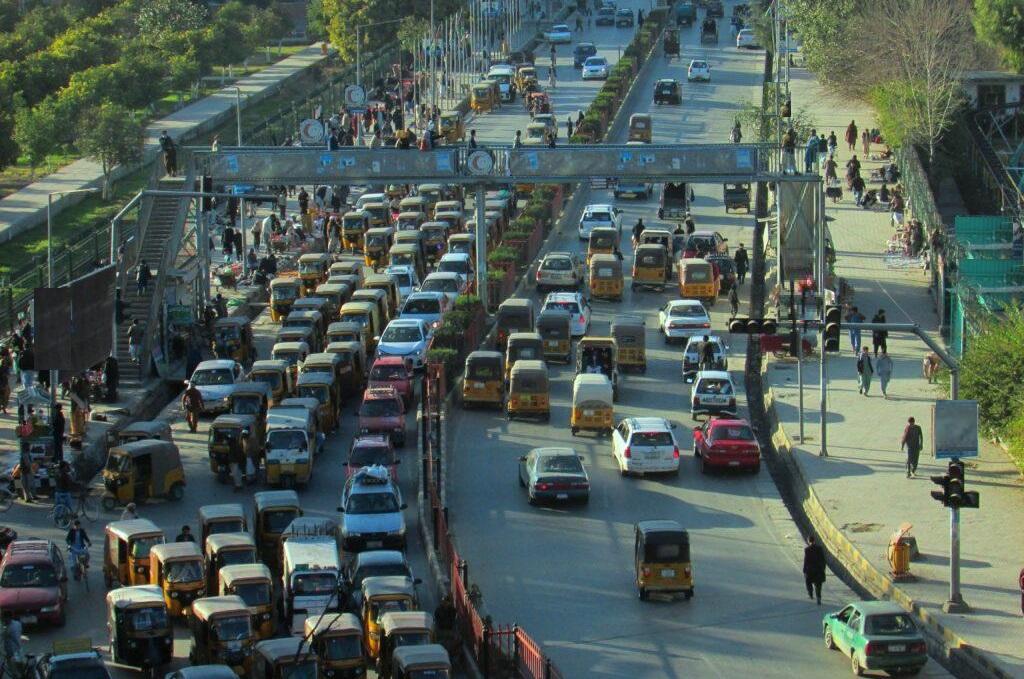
(341, 509)
(376, 338)
(580, 457)
(672, 426)
(404, 506)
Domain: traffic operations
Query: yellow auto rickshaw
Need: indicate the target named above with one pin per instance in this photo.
(177, 569)
(661, 554)
(525, 75)
(380, 299)
(599, 355)
(649, 262)
(273, 510)
(412, 662)
(378, 242)
(463, 243)
(291, 354)
(345, 331)
(323, 362)
(255, 585)
(251, 398)
(221, 518)
(555, 328)
(697, 280)
(399, 629)
(313, 270)
(321, 305)
(410, 220)
(455, 220)
(434, 240)
(350, 267)
(140, 629)
(232, 338)
(352, 370)
(337, 641)
(140, 430)
(630, 338)
(523, 346)
(484, 381)
(324, 388)
(447, 206)
(380, 281)
(414, 238)
(284, 658)
(138, 471)
(380, 214)
(383, 594)
(483, 99)
(336, 294)
(126, 546)
(221, 633)
(367, 315)
(605, 278)
(592, 408)
(227, 549)
(353, 225)
(283, 292)
(528, 392)
(604, 240)
(514, 315)
(293, 440)
(413, 204)
(453, 129)
(640, 127)
(232, 435)
(302, 334)
(408, 254)
(306, 318)
(276, 375)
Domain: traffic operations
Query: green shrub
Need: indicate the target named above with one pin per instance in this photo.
(537, 211)
(502, 254)
(447, 357)
(470, 303)
(522, 224)
(496, 276)
(457, 319)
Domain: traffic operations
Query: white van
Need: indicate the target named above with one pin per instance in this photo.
(311, 572)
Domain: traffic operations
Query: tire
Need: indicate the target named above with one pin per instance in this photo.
(108, 503)
(830, 643)
(757, 469)
(177, 492)
(6, 500)
(63, 619)
(522, 484)
(90, 508)
(62, 516)
(642, 593)
(574, 430)
(688, 594)
(855, 666)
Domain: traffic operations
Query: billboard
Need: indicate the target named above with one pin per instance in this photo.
(955, 429)
(73, 323)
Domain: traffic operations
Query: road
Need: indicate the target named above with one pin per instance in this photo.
(566, 574)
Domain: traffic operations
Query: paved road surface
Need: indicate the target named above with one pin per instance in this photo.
(566, 574)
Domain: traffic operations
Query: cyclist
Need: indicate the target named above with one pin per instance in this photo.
(78, 542)
(65, 486)
(12, 638)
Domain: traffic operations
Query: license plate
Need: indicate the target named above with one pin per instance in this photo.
(897, 648)
(734, 463)
(668, 572)
(478, 385)
(29, 619)
(562, 496)
(525, 400)
(588, 413)
(553, 344)
(374, 544)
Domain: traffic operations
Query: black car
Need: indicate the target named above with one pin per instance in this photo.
(86, 664)
(605, 17)
(715, 8)
(624, 17)
(581, 52)
(726, 271)
(668, 92)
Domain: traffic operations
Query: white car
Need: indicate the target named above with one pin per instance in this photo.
(559, 33)
(747, 38)
(407, 338)
(599, 215)
(215, 380)
(576, 305)
(595, 68)
(683, 318)
(642, 445)
(362, 201)
(698, 70)
(713, 393)
(456, 262)
(451, 284)
(405, 278)
(430, 307)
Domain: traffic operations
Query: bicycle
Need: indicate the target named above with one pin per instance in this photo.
(80, 566)
(85, 506)
(7, 497)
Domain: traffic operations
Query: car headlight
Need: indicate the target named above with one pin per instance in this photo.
(140, 569)
(174, 595)
(265, 616)
(50, 609)
(396, 533)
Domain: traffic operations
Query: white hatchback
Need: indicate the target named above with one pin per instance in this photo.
(642, 445)
(595, 68)
(713, 393)
(747, 38)
(698, 70)
(683, 318)
(599, 214)
(576, 305)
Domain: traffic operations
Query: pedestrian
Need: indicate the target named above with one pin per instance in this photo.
(185, 535)
(518, 141)
(736, 136)
(789, 152)
(215, 144)
(282, 203)
(734, 301)
(134, 340)
(707, 354)
(130, 513)
(6, 363)
(27, 367)
(170, 154)
(912, 442)
(568, 127)
(26, 476)
(691, 226)
(810, 152)
(883, 366)
(638, 230)
(58, 425)
(879, 337)
(256, 230)
(112, 376)
(251, 260)
(855, 316)
(742, 261)
(865, 370)
(865, 141)
(472, 138)
(814, 568)
(192, 404)
(142, 277)
(833, 143)
(851, 136)
(227, 240)
(12, 640)
(639, 19)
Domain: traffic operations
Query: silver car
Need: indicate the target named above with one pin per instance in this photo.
(559, 270)
(554, 474)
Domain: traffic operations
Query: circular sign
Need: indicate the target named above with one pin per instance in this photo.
(1021, 580)
(355, 95)
(480, 162)
(311, 131)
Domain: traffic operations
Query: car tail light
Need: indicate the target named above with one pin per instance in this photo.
(705, 325)
(918, 647)
(871, 648)
(538, 275)
(675, 452)
(627, 453)
(645, 571)
(696, 402)
(687, 570)
(542, 486)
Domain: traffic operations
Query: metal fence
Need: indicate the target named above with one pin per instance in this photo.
(921, 202)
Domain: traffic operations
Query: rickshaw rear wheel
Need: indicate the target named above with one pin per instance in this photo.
(177, 492)
(688, 594)
(109, 503)
(855, 665)
(642, 593)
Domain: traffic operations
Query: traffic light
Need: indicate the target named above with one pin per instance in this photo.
(953, 494)
(833, 324)
(741, 325)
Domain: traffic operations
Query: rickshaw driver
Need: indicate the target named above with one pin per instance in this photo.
(638, 230)
(192, 404)
(78, 542)
(593, 365)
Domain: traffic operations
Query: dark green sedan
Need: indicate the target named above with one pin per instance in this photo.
(877, 635)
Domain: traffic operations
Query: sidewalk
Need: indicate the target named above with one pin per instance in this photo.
(27, 208)
(862, 485)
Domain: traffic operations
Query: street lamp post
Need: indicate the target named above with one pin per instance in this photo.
(359, 45)
(238, 112)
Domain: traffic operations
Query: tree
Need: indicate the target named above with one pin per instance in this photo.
(828, 42)
(1000, 24)
(160, 21)
(35, 131)
(991, 371)
(111, 135)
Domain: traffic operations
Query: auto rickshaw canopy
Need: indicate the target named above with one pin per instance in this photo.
(427, 656)
(485, 365)
(133, 529)
(279, 285)
(176, 551)
(388, 585)
(232, 421)
(529, 377)
(629, 330)
(228, 510)
(218, 541)
(313, 262)
(650, 255)
(210, 607)
(553, 324)
(275, 499)
(237, 573)
(322, 362)
(231, 323)
(137, 596)
(592, 388)
(515, 313)
(345, 623)
(146, 429)
(268, 365)
(298, 349)
(288, 648)
(657, 538)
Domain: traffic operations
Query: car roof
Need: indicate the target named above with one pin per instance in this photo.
(585, 44)
(549, 451)
(684, 302)
(563, 297)
(425, 294)
(728, 422)
(377, 557)
(462, 256)
(700, 338)
(878, 607)
(216, 363)
(559, 253)
(442, 274)
(29, 551)
(649, 423)
(560, 27)
(706, 233)
(713, 375)
(596, 57)
(599, 207)
(405, 321)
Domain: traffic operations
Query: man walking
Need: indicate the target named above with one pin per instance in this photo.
(742, 262)
(912, 442)
(883, 366)
(878, 337)
(814, 568)
(192, 404)
(142, 277)
(734, 301)
(855, 316)
(864, 372)
(134, 340)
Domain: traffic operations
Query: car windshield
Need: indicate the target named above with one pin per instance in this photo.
(422, 306)
(147, 619)
(79, 670)
(737, 432)
(651, 438)
(561, 464)
(271, 378)
(557, 264)
(286, 439)
(460, 266)
(211, 376)
(596, 61)
(254, 593)
(28, 575)
(890, 624)
(380, 407)
(598, 217)
(342, 648)
(119, 463)
(141, 546)
(380, 570)
(687, 311)
(319, 392)
(386, 373)
(571, 307)
(560, 28)
(303, 670)
(440, 285)
(402, 333)
(666, 87)
(277, 520)
(699, 65)
(183, 571)
(372, 503)
(698, 274)
(314, 583)
(233, 629)
(715, 386)
(364, 456)
(402, 280)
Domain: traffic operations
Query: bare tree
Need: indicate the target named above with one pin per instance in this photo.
(917, 57)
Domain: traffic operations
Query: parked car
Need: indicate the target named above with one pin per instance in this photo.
(554, 474)
(34, 582)
(726, 444)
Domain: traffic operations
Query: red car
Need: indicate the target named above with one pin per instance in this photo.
(392, 371)
(371, 450)
(33, 582)
(728, 444)
(383, 412)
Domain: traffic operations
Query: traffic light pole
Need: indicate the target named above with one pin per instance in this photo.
(823, 373)
(956, 603)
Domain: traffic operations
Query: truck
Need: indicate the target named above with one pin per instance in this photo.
(675, 201)
(310, 577)
(686, 13)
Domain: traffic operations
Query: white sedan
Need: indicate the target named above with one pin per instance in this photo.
(595, 68)
(682, 318)
(576, 305)
(559, 33)
(698, 70)
(747, 38)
